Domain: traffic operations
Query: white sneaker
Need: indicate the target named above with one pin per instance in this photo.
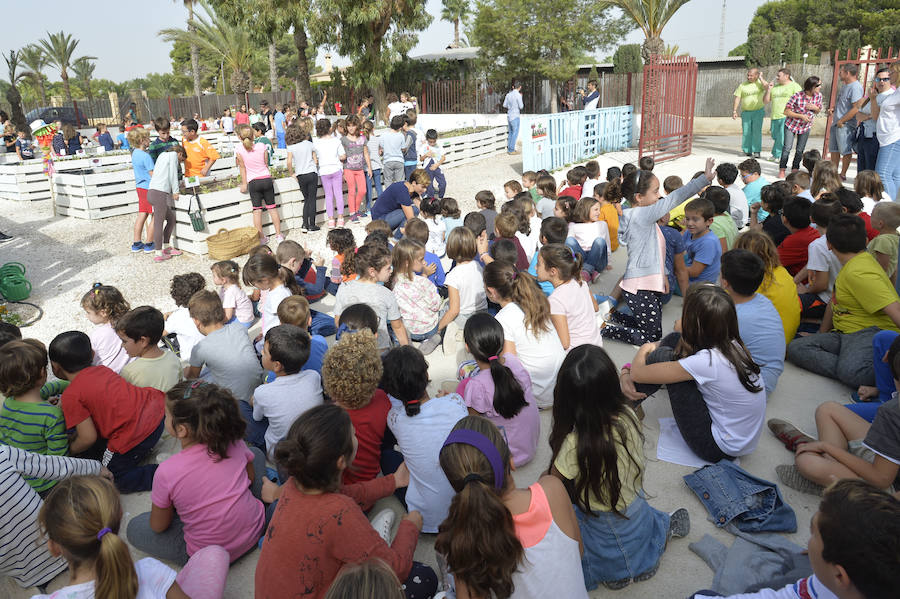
(383, 522)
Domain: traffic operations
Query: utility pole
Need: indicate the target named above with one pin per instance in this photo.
(722, 30)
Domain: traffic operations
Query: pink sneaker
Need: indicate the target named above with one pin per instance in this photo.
(161, 257)
(279, 238)
(341, 221)
(172, 252)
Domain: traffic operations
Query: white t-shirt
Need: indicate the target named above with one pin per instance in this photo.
(868, 204)
(329, 151)
(545, 206)
(394, 109)
(154, 580)
(233, 296)
(541, 354)
(528, 243)
(467, 279)
(437, 230)
(587, 189)
(740, 212)
(181, 323)
(821, 259)
(586, 233)
(302, 155)
(419, 439)
(283, 400)
(737, 414)
(377, 297)
(269, 308)
(573, 300)
(888, 126)
(228, 124)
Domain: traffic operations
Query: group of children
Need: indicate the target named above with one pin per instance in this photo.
(287, 443)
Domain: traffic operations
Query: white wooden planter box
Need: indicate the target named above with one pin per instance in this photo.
(94, 196)
(472, 147)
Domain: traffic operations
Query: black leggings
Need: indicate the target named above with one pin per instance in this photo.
(162, 213)
(422, 582)
(309, 186)
(688, 406)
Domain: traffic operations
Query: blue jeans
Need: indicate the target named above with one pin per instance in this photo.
(396, 219)
(788, 144)
(408, 169)
(513, 134)
(888, 168)
(437, 177)
(280, 136)
(884, 379)
(373, 182)
(846, 357)
(595, 259)
(256, 429)
(867, 154)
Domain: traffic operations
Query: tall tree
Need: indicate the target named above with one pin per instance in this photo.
(12, 93)
(651, 16)
(195, 52)
(84, 70)
(264, 21)
(33, 57)
(456, 12)
(60, 49)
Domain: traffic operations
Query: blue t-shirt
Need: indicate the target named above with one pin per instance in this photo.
(438, 277)
(546, 286)
(279, 122)
(395, 196)
(106, 140)
(142, 165)
(763, 333)
(846, 97)
(752, 191)
(26, 148)
(123, 142)
(317, 348)
(674, 246)
(705, 249)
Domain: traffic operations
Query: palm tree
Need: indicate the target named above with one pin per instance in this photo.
(651, 16)
(17, 116)
(232, 44)
(59, 48)
(84, 70)
(195, 52)
(33, 57)
(455, 11)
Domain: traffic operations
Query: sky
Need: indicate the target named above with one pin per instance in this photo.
(122, 33)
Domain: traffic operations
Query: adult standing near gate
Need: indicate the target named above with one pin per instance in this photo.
(513, 105)
(887, 128)
(750, 95)
(592, 97)
(867, 140)
(843, 128)
(800, 111)
(779, 92)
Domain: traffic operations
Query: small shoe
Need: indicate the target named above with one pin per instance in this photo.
(137, 246)
(616, 585)
(843, 177)
(161, 257)
(595, 276)
(788, 434)
(172, 252)
(263, 240)
(315, 228)
(791, 477)
(648, 574)
(756, 154)
(586, 276)
(304, 230)
(383, 522)
(355, 217)
(679, 524)
(279, 238)
(340, 221)
(430, 344)
(330, 223)
(149, 247)
(5, 237)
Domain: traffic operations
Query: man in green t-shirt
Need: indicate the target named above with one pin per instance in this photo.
(779, 92)
(749, 96)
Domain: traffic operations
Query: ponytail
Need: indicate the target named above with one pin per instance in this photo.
(522, 289)
(287, 278)
(405, 376)
(116, 576)
(484, 338)
(566, 262)
(245, 134)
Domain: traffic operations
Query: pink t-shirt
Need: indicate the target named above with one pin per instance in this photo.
(523, 429)
(234, 297)
(573, 300)
(212, 498)
(108, 350)
(654, 282)
(255, 161)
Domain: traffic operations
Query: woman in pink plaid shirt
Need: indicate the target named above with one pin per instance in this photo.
(800, 111)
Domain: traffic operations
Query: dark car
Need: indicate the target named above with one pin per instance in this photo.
(50, 114)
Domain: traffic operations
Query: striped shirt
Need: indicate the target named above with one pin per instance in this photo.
(36, 427)
(21, 557)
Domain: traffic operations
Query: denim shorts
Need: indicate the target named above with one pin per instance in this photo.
(841, 139)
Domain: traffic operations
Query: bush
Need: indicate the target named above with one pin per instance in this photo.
(848, 39)
(793, 52)
(764, 49)
(887, 37)
(627, 59)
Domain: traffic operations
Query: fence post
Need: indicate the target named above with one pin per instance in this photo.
(628, 89)
(169, 102)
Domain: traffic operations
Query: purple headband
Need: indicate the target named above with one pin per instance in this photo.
(482, 444)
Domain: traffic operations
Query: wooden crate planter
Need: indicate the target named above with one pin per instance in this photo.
(24, 181)
(94, 196)
(472, 147)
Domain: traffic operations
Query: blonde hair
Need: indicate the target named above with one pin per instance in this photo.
(136, 137)
(245, 134)
(82, 515)
(759, 243)
(294, 310)
(352, 369)
(405, 253)
(372, 578)
(889, 212)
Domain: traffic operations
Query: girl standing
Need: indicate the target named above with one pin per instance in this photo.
(104, 305)
(645, 282)
(358, 160)
(82, 517)
(597, 446)
(416, 296)
(142, 164)
(714, 386)
(501, 391)
(499, 540)
(252, 160)
(202, 495)
(465, 286)
(235, 301)
(373, 181)
(800, 111)
(301, 161)
(420, 423)
(316, 512)
(572, 305)
(228, 122)
(372, 264)
(330, 156)
(527, 329)
(162, 193)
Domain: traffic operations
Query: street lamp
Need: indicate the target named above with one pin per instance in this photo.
(781, 58)
(805, 55)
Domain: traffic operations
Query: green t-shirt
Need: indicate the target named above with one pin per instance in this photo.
(724, 228)
(888, 244)
(751, 95)
(780, 96)
(861, 292)
(262, 139)
(37, 427)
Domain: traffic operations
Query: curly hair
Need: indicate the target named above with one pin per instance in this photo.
(107, 301)
(185, 286)
(758, 242)
(352, 370)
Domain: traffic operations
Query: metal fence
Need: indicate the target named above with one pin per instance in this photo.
(667, 108)
(82, 113)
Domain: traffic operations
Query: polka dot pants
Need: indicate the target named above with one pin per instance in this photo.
(646, 323)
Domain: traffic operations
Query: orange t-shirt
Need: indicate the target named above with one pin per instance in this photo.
(198, 152)
(610, 216)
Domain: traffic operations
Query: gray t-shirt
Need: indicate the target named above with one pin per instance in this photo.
(884, 435)
(846, 96)
(377, 297)
(231, 360)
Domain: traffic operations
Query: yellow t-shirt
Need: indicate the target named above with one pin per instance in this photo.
(610, 216)
(782, 292)
(161, 373)
(780, 96)
(676, 215)
(751, 95)
(888, 244)
(861, 292)
(630, 475)
(198, 151)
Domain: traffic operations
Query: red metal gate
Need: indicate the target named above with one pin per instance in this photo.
(868, 60)
(667, 107)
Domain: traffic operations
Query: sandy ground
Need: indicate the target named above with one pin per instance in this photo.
(65, 256)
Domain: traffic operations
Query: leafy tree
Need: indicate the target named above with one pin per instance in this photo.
(265, 23)
(84, 70)
(765, 48)
(456, 12)
(741, 50)
(651, 16)
(888, 37)
(12, 92)
(33, 57)
(848, 40)
(793, 51)
(60, 49)
(207, 63)
(161, 85)
(627, 59)
(194, 48)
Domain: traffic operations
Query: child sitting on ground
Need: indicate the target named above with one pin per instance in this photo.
(869, 188)
(572, 307)
(204, 494)
(676, 270)
(487, 205)
(798, 185)
(810, 159)
(793, 252)
(575, 178)
(343, 244)
(511, 188)
(853, 205)
(140, 331)
(592, 172)
(553, 230)
(824, 178)
(350, 375)
(311, 280)
(113, 420)
(26, 420)
(546, 187)
(450, 214)
(295, 310)
(237, 306)
(430, 212)
(822, 267)
(465, 286)
(416, 230)
(702, 249)
(564, 207)
(609, 197)
(417, 298)
(529, 224)
(264, 272)
(179, 321)
(104, 305)
(885, 220)
(293, 391)
(506, 225)
(772, 198)
(529, 184)
(722, 224)
(590, 237)
(758, 320)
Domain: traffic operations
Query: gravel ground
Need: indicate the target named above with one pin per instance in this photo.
(65, 256)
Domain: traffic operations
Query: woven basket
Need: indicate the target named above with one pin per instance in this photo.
(226, 244)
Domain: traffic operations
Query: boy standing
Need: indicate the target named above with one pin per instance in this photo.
(794, 250)
(200, 153)
(433, 158)
(392, 145)
(163, 140)
(140, 331)
(703, 251)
